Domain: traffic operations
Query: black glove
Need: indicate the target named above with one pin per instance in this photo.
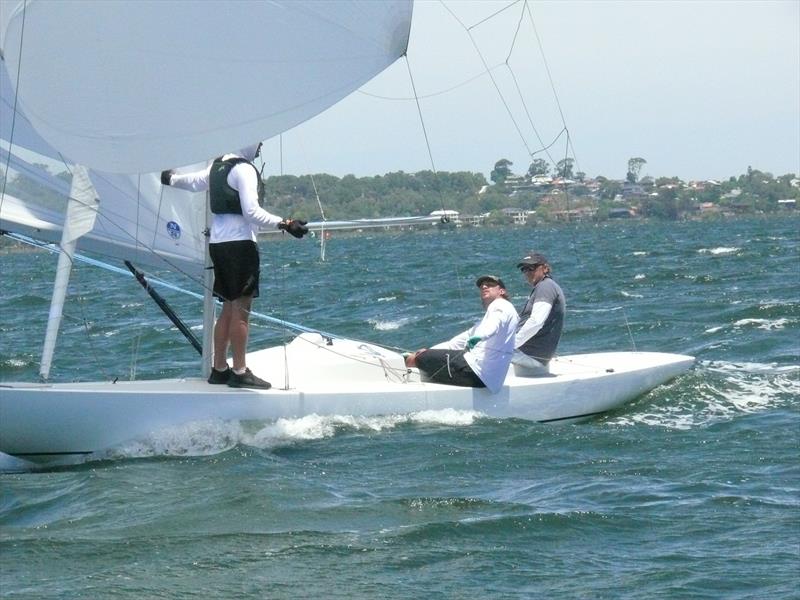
(166, 176)
(295, 227)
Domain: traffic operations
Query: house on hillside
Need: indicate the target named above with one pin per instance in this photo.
(553, 198)
(517, 215)
(703, 185)
(734, 193)
(518, 183)
(582, 213)
(621, 213)
(633, 191)
(474, 220)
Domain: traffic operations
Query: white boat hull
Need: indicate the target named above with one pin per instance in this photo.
(45, 421)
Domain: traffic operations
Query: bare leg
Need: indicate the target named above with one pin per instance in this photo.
(238, 329)
(221, 338)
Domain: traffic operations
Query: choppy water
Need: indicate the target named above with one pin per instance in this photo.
(691, 491)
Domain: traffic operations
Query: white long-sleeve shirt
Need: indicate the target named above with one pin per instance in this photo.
(232, 227)
(539, 314)
(490, 358)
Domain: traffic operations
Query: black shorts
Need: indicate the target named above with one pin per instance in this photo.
(235, 269)
(448, 367)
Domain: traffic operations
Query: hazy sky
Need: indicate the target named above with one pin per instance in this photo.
(698, 89)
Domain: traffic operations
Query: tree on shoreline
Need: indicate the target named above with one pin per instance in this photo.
(538, 167)
(634, 168)
(564, 167)
(501, 171)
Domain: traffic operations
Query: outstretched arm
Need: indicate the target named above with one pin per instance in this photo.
(193, 182)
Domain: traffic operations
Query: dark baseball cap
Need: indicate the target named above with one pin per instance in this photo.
(491, 278)
(531, 260)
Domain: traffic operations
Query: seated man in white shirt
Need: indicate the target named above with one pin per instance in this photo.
(479, 356)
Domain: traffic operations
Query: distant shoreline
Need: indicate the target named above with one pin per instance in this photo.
(9, 246)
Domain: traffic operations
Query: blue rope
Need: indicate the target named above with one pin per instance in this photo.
(155, 280)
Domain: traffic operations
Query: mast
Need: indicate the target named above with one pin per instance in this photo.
(209, 306)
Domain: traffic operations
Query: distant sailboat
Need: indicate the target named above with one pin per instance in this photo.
(119, 91)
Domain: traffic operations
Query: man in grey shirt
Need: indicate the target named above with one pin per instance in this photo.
(540, 320)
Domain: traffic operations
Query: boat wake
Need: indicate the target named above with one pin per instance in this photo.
(208, 438)
(213, 437)
(715, 392)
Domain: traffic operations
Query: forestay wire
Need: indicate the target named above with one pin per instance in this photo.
(445, 217)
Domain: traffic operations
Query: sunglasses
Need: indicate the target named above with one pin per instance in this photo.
(529, 268)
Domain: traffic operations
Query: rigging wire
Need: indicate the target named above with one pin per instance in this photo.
(546, 64)
(277, 323)
(422, 122)
(507, 63)
(445, 217)
(84, 320)
(324, 219)
(487, 71)
(14, 109)
(432, 94)
(569, 149)
(319, 201)
(494, 14)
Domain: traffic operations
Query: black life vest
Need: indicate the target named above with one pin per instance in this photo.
(225, 199)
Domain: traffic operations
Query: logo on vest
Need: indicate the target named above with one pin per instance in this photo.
(174, 230)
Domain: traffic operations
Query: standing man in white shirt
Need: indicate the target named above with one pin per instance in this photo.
(236, 193)
(479, 356)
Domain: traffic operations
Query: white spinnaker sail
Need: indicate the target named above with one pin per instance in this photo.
(138, 219)
(128, 88)
(135, 87)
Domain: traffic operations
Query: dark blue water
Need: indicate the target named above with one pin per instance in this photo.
(692, 491)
